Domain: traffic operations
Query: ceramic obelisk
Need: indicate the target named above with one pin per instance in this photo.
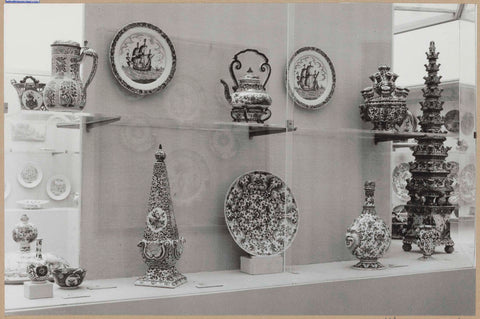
(161, 246)
(430, 187)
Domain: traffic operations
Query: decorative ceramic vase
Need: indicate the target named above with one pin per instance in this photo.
(38, 270)
(384, 102)
(249, 100)
(24, 233)
(66, 91)
(69, 278)
(30, 93)
(368, 238)
(161, 246)
(430, 187)
(427, 237)
(16, 263)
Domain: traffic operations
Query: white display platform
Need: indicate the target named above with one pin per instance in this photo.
(401, 267)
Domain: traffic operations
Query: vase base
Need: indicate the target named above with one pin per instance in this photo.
(369, 264)
(161, 278)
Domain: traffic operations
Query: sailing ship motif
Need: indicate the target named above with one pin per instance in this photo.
(139, 66)
(308, 78)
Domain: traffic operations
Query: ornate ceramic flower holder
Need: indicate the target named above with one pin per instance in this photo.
(249, 100)
(368, 238)
(385, 103)
(430, 187)
(161, 247)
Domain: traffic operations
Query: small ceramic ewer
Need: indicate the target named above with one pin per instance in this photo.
(69, 278)
(66, 91)
(37, 270)
(249, 100)
(368, 238)
(427, 240)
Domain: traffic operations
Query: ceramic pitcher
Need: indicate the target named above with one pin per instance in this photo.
(66, 91)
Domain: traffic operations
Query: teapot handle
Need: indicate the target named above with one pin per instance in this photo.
(93, 54)
(35, 81)
(265, 66)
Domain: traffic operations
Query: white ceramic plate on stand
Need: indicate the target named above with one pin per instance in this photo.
(30, 175)
(58, 187)
(32, 203)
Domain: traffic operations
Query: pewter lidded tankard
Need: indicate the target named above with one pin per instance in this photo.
(66, 91)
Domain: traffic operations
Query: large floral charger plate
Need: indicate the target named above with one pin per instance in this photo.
(142, 58)
(261, 213)
(310, 78)
(401, 173)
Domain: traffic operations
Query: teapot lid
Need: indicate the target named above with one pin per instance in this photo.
(66, 42)
(250, 78)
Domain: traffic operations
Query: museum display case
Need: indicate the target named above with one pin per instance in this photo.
(237, 148)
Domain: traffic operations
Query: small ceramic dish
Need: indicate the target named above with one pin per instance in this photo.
(69, 278)
(32, 203)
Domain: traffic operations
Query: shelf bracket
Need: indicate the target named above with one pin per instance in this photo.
(268, 130)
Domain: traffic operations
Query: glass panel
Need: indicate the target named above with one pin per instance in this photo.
(206, 152)
(43, 176)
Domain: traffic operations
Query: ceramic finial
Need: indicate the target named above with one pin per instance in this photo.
(160, 154)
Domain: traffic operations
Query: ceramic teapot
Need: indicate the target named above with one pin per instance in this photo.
(30, 93)
(66, 91)
(249, 99)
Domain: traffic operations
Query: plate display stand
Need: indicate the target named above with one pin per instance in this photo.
(259, 265)
(37, 290)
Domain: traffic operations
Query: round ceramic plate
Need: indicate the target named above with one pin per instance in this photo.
(30, 175)
(452, 121)
(467, 123)
(466, 181)
(58, 187)
(142, 58)
(310, 78)
(32, 203)
(261, 213)
(399, 181)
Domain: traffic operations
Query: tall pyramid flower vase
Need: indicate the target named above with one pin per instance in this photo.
(161, 246)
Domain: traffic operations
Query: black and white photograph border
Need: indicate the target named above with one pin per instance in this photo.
(167, 205)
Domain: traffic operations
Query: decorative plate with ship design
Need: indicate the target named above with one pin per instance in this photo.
(142, 58)
(261, 213)
(310, 78)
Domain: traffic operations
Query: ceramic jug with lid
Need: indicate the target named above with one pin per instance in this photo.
(66, 90)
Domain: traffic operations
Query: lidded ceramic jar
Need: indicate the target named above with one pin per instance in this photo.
(24, 233)
(66, 91)
(368, 238)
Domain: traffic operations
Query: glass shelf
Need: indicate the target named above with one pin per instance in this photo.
(380, 136)
(89, 120)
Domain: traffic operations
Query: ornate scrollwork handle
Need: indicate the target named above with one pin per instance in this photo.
(264, 67)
